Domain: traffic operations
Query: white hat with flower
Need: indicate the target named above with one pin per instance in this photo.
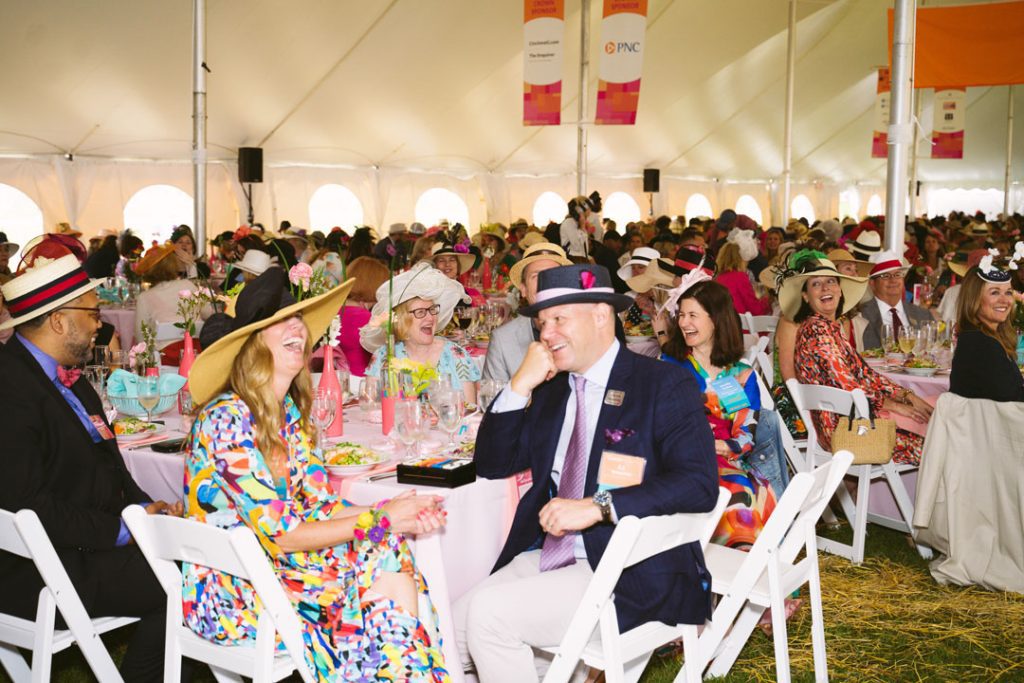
(422, 281)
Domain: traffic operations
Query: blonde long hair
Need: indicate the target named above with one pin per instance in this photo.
(252, 377)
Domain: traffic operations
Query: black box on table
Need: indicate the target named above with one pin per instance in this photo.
(446, 473)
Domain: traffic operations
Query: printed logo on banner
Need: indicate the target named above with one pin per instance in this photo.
(948, 123)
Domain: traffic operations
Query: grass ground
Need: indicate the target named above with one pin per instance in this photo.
(885, 621)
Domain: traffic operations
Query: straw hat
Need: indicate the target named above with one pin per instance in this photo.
(263, 302)
(641, 256)
(961, 262)
(10, 247)
(868, 242)
(841, 255)
(66, 229)
(808, 264)
(494, 230)
(254, 262)
(887, 262)
(47, 286)
(537, 251)
(421, 281)
(658, 273)
(466, 259)
(154, 256)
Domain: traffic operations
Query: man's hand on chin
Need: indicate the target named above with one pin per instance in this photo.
(562, 514)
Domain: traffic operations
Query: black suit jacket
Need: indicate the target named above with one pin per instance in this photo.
(51, 465)
(661, 405)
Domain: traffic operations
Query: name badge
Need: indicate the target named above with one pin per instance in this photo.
(614, 397)
(101, 427)
(731, 394)
(618, 470)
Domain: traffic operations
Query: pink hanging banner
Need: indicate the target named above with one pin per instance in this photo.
(622, 36)
(543, 26)
(880, 136)
(950, 110)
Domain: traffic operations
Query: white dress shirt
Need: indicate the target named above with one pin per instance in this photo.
(597, 384)
(884, 309)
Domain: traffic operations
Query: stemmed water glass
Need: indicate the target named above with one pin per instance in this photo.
(449, 414)
(409, 423)
(148, 393)
(369, 395)
(323, 410)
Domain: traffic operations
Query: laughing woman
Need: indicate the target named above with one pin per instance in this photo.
(347, 570)
(424, 300)
(814, 294)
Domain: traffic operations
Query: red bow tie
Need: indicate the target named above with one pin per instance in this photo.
(68, 376)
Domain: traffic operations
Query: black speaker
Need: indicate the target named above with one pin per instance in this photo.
(652, 179)
(250, 165)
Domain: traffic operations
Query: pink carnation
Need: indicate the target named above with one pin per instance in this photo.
(300, 273)
(185, 294)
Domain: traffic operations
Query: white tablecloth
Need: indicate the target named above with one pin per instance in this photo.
(453, 560)
(123, 320)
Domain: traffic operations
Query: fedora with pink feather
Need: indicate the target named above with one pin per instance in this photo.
(583, 283)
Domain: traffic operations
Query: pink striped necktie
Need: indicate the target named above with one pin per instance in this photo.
(559, 551)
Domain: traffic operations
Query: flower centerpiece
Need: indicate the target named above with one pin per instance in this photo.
(142, 356)
(415, 377)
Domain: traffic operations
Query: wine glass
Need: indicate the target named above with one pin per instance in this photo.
(343, 381)
(907, 339)
(369, 394)
(148, 394)
(409, 421)
(888, 338)
(464, 314)
(449, 414)
(489, 389)
(323, 409)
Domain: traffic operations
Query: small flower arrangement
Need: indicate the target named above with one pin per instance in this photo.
(332, 335)
(190, 307)
(420, 374)
(143, 355)
(308, 282)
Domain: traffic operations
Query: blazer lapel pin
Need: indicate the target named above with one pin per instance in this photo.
(614, 397)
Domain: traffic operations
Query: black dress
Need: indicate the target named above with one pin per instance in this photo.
(981, 369)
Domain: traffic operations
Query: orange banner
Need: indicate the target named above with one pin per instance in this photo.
(543, 26)
(623, 30)
(880, 135)
(967, 45)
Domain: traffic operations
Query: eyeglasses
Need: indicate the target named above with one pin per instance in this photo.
(95, 310)
(896, 275)
(421, 313)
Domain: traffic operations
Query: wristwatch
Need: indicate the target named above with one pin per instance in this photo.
(603, 500)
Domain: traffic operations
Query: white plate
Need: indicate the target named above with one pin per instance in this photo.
(349, 470)
(128, 438)
(638, 340)
(921, 372)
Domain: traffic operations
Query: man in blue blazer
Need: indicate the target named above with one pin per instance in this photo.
(580, 397)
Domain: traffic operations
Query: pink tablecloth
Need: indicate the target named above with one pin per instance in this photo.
(123, 320)
(924, 387)
(453, 560)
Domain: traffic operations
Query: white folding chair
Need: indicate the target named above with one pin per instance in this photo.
(809, 397)
(167, 540)
(757, 325)
(22, 534)
(623, 656)
(752, 581)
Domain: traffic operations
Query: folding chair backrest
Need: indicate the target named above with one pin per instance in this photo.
(660, 533)
(808, 397)
(825, 481)
(167, 540)
(10, 539)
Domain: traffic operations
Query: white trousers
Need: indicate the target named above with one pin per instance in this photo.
(516, 609)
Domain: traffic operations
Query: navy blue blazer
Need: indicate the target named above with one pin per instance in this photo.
(662, 406)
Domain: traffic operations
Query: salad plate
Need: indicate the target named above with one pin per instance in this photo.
(128, 429)
(345, 459)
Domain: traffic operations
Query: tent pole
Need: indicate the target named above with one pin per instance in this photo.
(901, 130)
(1009, 152)
(199, 123)
(787, 142)
(581, 104)
(916, 95)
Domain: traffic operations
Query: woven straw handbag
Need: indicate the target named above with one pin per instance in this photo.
(871, 440)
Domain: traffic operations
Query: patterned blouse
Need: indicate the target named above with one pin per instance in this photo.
(455, 362)
(825, 357)
(350, 632)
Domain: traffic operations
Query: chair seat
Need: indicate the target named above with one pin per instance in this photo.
(634, 643)
(724, 565)
(22, 632)
(237, 658)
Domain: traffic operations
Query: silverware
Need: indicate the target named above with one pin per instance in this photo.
(382, 475)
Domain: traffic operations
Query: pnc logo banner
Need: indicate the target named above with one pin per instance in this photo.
(611, 47)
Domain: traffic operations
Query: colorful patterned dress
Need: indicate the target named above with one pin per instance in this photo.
(351, 633)
(752, 498)
(454, 361)
(824, 357)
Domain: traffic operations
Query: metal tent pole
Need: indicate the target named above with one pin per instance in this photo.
(787, 135)
(916, 94)
(901, 131)
(199, 123)
(581, 104)
(1009, 152)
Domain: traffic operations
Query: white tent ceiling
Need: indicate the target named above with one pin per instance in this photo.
(436, 84)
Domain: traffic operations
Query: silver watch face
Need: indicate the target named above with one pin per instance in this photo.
(603, 498)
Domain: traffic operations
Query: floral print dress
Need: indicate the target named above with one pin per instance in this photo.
(753, 499)
(350, 632)
(454, 361)
(824, 357)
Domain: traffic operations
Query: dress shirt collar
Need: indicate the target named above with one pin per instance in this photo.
(884, 308)
(47, 362)
(600, 371)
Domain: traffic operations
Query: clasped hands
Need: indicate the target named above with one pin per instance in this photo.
(916, 409)
(414, 514)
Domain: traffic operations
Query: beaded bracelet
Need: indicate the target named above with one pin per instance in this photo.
(372, 524)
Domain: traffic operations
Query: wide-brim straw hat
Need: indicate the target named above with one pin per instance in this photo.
(494, 230)
(656, 274)
(531, 238)
(212, 369)
(888, 262)
(970, 259)
(45, 287)
(841, 255)
(867, 243)
(11, 248)
(466, 259)
(154, 256)
(537, 251)
(791, 289)
(641, 256)
(422, 281)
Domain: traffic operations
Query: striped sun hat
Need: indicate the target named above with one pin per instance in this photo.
(41, 289)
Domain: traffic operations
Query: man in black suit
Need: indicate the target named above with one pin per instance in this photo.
(60, 459)
(581, 399)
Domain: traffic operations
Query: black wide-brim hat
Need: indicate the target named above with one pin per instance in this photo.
(577, 284)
